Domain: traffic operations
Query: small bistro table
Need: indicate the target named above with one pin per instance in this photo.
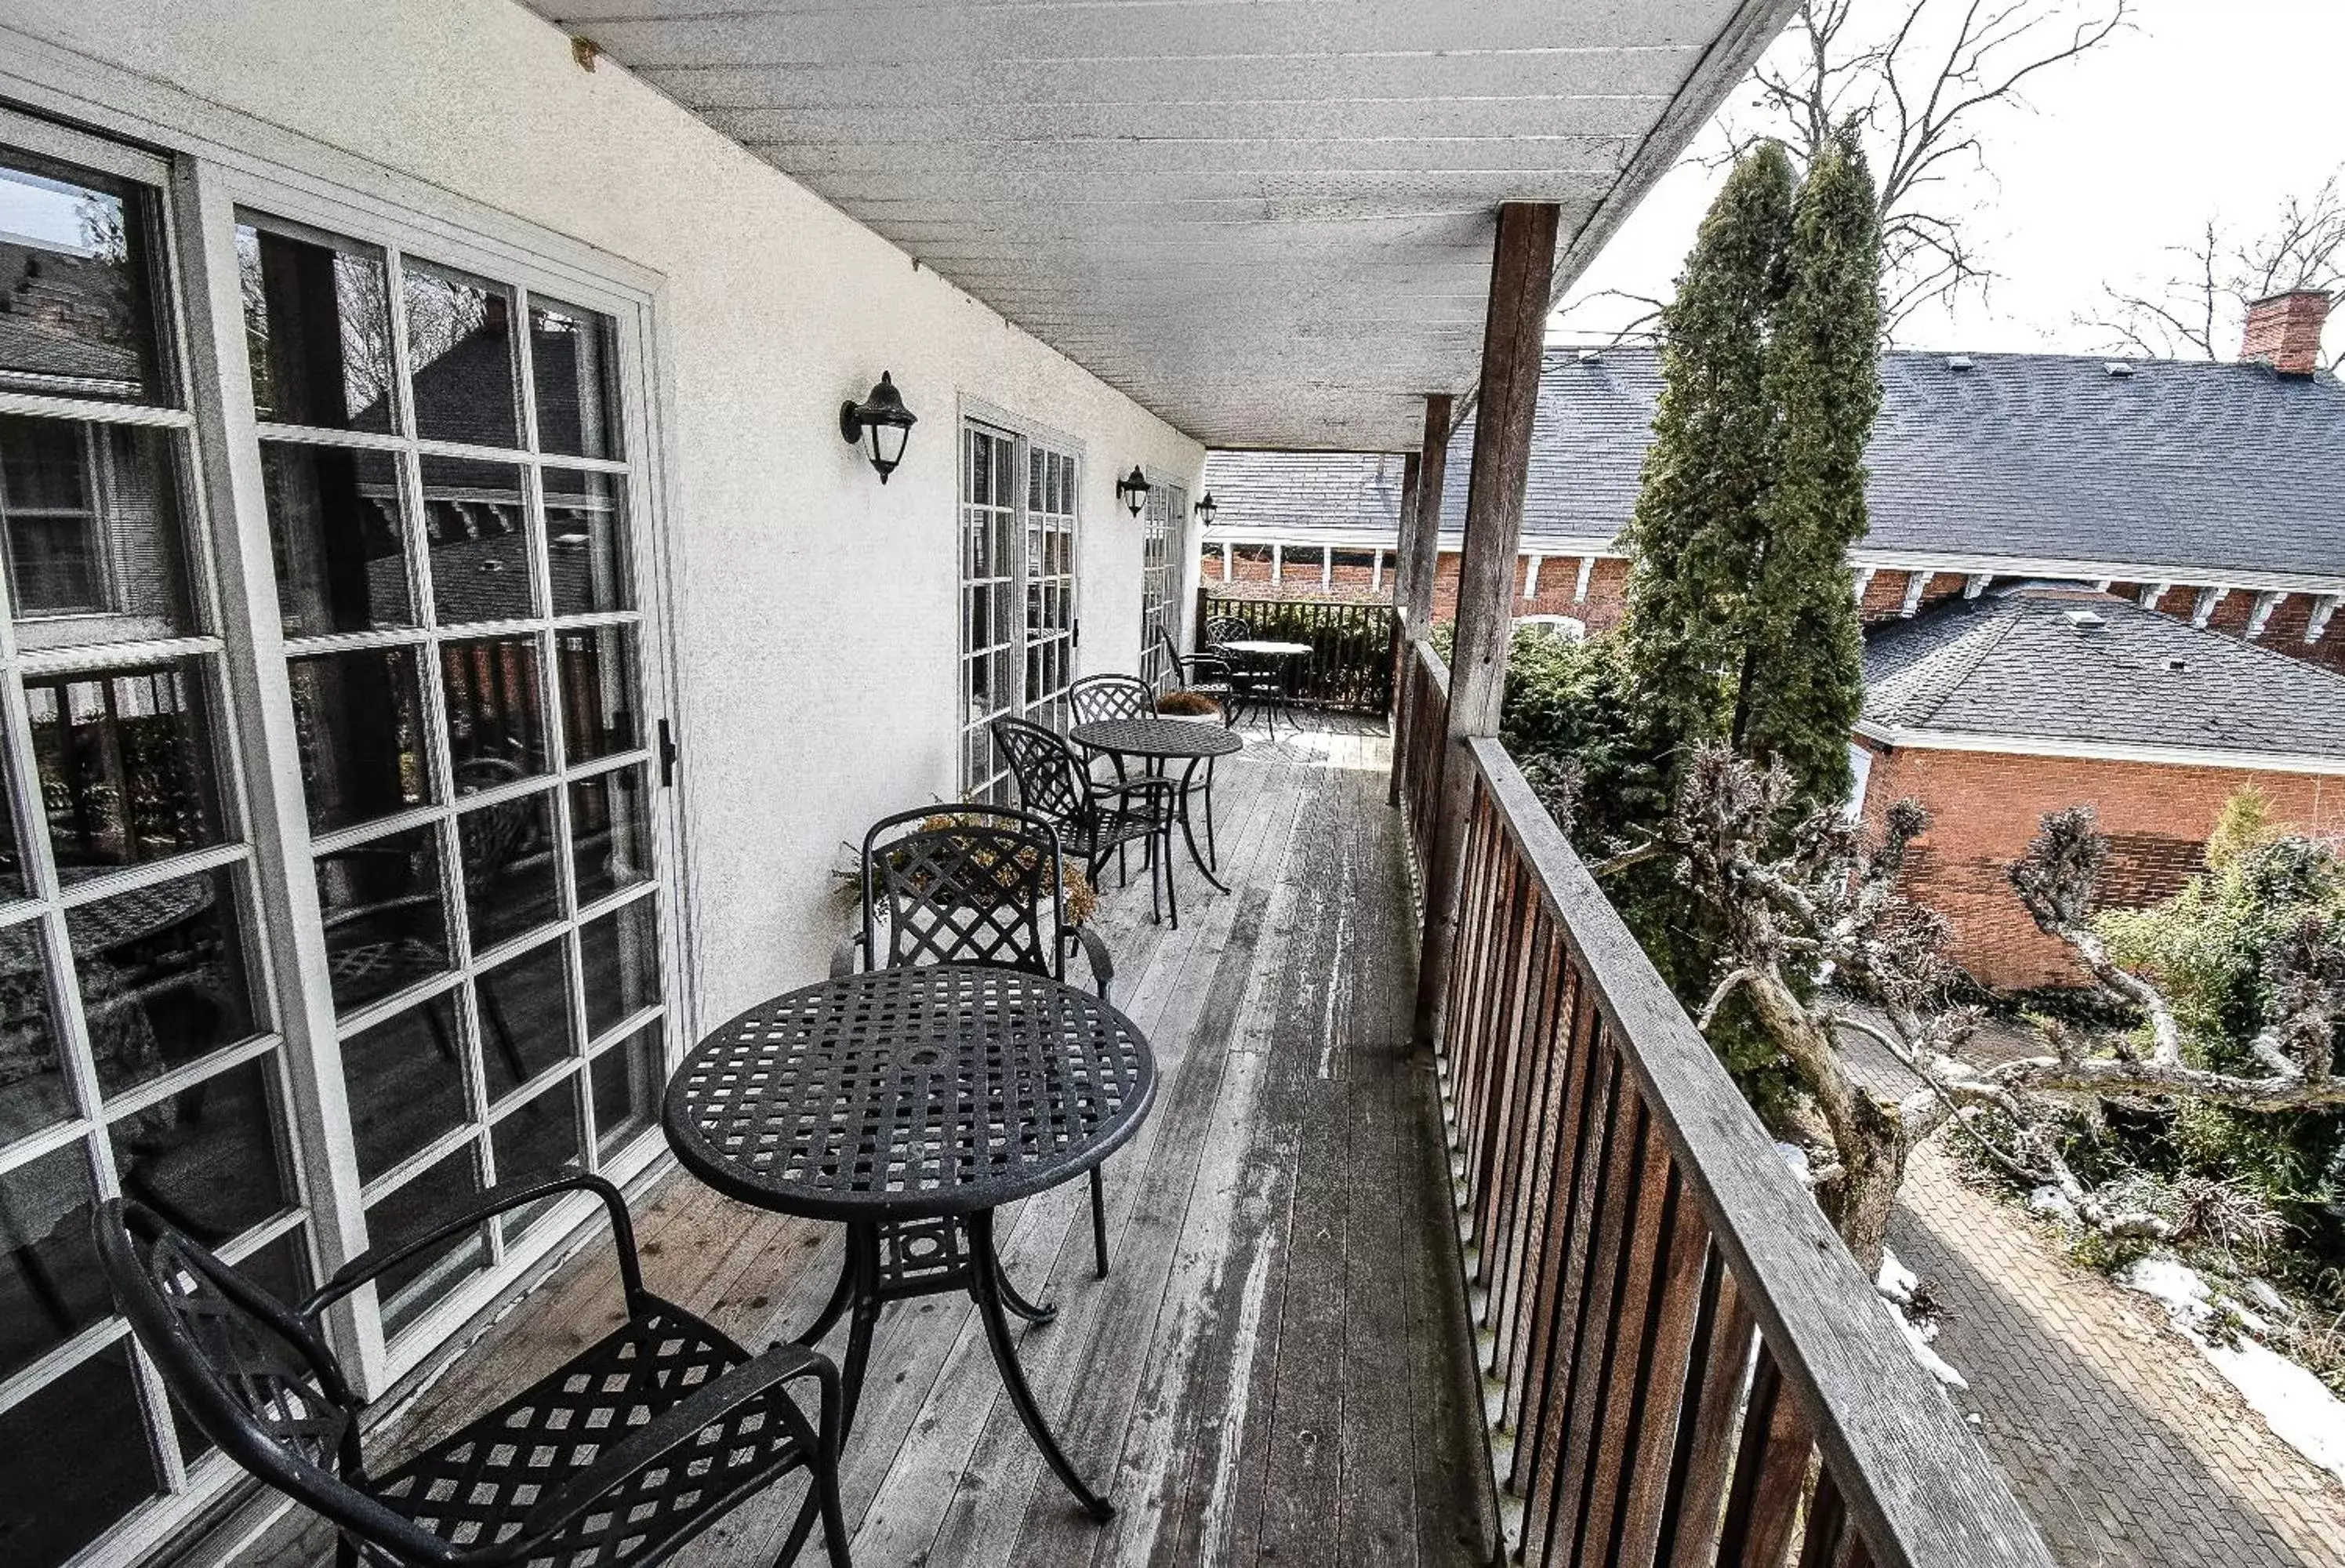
(1157, 741)
(1276, 653)
(911, 1103)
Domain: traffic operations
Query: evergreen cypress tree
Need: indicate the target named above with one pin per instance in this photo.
(1802, 682)
(1695, 537)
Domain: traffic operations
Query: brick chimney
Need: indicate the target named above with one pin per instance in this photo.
(2284, 331)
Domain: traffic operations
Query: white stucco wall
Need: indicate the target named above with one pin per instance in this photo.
(816, 635)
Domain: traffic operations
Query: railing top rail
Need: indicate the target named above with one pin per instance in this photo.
(1430, 661)
(1922, 1491)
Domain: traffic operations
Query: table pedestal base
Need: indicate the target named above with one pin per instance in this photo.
(897, 1261)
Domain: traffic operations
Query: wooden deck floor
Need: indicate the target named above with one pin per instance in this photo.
(1277, 1371)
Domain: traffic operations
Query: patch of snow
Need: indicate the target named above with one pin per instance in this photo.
(1797, 1159)
(1895, 1280)
(2296, 1405)
(2266, 1297)
(2050, 1200)
(1917, 1339)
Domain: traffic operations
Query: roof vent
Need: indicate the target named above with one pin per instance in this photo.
(2177, 664)
(1589, 356)
(2083, 621)
(1958, 361)
(2120, 368)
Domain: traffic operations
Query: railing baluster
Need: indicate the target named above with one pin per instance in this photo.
(1559, 1210)
(1770, 1471)
(1671, 1348)
(1710, 1419)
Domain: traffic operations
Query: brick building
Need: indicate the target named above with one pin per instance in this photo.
(1995, 710)
(2214, 493)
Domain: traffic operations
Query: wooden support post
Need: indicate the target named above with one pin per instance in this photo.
(1418, 562)
(1411, 471)
(1522, 272)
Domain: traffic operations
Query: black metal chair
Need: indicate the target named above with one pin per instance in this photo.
(1255, 682)
(981, 887)
(1097, 698)
(1092, 818)
(1205, 673)
(618, 1457)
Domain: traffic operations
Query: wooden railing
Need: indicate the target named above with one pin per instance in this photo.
(1683, 1365)
(1350, 669)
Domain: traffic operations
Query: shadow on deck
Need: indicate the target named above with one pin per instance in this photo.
(1278, 1369)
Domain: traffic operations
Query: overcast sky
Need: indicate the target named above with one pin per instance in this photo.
(2209, 107)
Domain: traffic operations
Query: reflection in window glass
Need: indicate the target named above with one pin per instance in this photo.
(587, 541)
(355, 718)
(628, 1080)
(33, 1090)
(476, 527)
(162, 975)
(92, 531)
(537, 1141)
(496, 727)
(317, 328)
(406, 1083)
(598, 691)
(460, 354)
(75, 271)
(619, 957)
(411, 1287)
(334, 529)
(525, 1024)
(77, 1460)
(50, 1286)
(610, 832)
(207, 1158)
(125, 765)
(509, 881)
(386, 926)
(280, 1268)
(574, 359)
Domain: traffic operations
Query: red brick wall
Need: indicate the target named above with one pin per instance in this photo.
(1984, 807)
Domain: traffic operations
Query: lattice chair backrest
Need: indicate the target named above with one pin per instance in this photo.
(1051, 782)
(967, 884)
(253, 1374)
(1096, 698)
(1221, 629)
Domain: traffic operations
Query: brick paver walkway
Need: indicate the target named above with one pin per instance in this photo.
(2128, 1447)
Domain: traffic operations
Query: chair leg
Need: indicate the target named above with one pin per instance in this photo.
(1099, 1223)
(834, 1517)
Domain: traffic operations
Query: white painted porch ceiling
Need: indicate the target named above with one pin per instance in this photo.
(1266, 220)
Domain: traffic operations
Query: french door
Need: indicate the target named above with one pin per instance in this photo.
(1018, 545)
(1163, 519)
(334, 878)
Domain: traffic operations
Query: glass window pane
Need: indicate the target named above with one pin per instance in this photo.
(575, 362)
(335, 529)
(317, 328)
(618, 959)
(525, 1024)
(406, 1083)
(92, 531)
(509, 881)
(460, 355)
(207, 1157)
(537, 1141)
(126, 764)
(610, 833)
(32, 1091)
(76, 267)
(476, 526)
(163, 975)
(496, 726)
(628, 1080)
(385, 927)
(77, 1459)
(407, 1290)
(50, 1286)
(587, 541)
(598, 692)
(355, 715)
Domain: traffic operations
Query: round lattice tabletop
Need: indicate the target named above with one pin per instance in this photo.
(1152, 737)
(909, 1092)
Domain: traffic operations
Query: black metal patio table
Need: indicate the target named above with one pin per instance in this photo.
(911, 1103)
(1157, 741)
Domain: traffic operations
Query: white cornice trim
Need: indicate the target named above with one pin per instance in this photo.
(1894, 735)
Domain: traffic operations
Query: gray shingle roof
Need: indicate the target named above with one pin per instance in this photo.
(2201, 469)
(2017, 664)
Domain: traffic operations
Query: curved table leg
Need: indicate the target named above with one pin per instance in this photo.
(1016, 1303)
(1188, 830)
(840, 1295)
(987, 1287)
(863, 1263)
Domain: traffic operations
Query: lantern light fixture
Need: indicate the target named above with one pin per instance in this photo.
(1205, 508)
(884, 419)
(1133, 490)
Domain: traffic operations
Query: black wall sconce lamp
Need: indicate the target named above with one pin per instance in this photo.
(1205, 508)
(885, 420)
(1133, 490)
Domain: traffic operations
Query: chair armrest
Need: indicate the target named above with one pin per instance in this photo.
(1095, 950)
(1144, 785)
(496, 1200)
(680, 1424)
(842, 958)
(1209, 665)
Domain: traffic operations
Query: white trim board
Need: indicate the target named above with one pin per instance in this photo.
(1894, 736)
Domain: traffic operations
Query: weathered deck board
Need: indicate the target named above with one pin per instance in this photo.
(1278, 1369)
